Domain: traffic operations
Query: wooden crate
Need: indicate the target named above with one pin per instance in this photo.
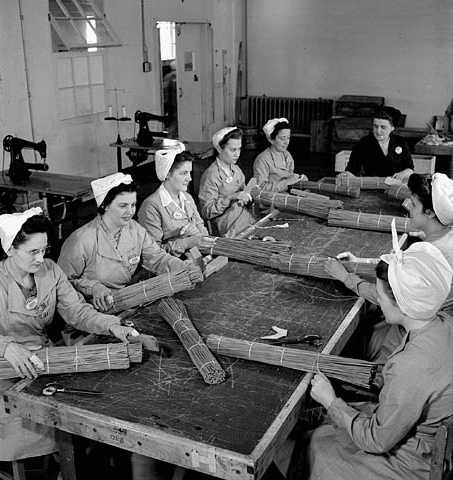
(357, 105)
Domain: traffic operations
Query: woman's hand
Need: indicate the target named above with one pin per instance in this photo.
(102, 297)
(303, 178)
(122, 333)
(322, 390)
(348, 257)
(294, 178)
(336, 269)
(188, 230)
(404, 175)
(22, 360)
(344, 175)
(198, 241)
(243, 198)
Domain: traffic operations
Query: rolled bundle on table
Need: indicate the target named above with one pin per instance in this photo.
(350, 370)
(175, 314)
(400, 192)
(364, 183)
(367, 221)
(78, 359)
(313, 266)
(150, 290)
(250, 251)
(348, 190)
(314, 207)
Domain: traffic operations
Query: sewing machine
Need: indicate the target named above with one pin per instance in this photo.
(145, 137)
(18, 169)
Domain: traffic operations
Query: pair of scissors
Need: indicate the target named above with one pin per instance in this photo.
(313, 340)
(53, 388)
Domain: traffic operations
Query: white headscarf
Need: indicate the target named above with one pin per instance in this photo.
(101, 186)
(270, 125)
(220, 135)
(164, 159)
(442, 193)
(11, 223)
(420, 278)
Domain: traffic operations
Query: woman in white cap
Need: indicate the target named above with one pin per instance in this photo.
(394, 437)
(381, 153)
(274, 168)
(222, 197)
(31, 289)
(430, 207)
(104, 254)
(170, 215)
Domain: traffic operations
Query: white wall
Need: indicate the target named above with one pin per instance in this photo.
(399, 49)
(81, 146)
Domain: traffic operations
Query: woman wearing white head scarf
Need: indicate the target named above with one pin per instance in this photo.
(394, 437)
(429, 202)
(274, 168)
(222, 197)
(31, 289)
(104, 254)
(170, 215)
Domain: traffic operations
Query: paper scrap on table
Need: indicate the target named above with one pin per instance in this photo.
(392, 181)
(279, 333)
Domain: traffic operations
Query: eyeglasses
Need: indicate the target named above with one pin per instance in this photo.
(37, 252)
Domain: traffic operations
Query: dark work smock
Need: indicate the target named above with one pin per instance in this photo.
(367, 154)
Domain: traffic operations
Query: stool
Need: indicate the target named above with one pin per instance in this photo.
(442, 460)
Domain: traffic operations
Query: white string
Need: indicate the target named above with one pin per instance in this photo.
(308, 266)
(290, 260)
(316, 360)
(272, 199)
(218, 343)
(298, 200)
(47, 360)
(358, 219)
(378, 220)
(286, 199)
(108, 356)
(195, 344)
(144, 291)
(250, 348)
(169, 282)
(76, 360)
(281, 358)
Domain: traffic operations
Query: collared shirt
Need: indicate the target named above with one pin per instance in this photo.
(167, 199)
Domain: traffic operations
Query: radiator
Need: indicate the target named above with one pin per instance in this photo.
(299, 111)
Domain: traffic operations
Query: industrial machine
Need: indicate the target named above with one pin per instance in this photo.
(18, 169)
(145, 137)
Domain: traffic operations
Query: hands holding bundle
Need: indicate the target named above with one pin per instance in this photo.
(102, 298)
(192, 237)
(243, 198)
(322, 390)
(295, 178)
(121, 332)
(22, 360)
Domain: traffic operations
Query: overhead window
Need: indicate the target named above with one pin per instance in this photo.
(80, 25)
(81, 84)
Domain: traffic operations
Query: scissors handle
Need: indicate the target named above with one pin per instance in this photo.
(52, 390)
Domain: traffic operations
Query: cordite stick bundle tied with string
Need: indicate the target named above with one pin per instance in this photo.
(364, 183)
(347, 190)
(313, 266)
(350, 370)
(175, 314)
(148, 291)
(83, 358)
(315, 207)
(400, 192)
(250, 251)
(367, 221)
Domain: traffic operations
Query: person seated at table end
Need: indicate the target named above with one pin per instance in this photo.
(430, 207)
(394, 437)
(381, 153)
(170, 215)
(32, 288)
(223, 200)
(274, 167)
(104, 254)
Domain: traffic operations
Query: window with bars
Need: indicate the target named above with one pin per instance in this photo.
(80, 25)
(81, 85)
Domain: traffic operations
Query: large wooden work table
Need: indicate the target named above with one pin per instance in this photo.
(163, 409)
